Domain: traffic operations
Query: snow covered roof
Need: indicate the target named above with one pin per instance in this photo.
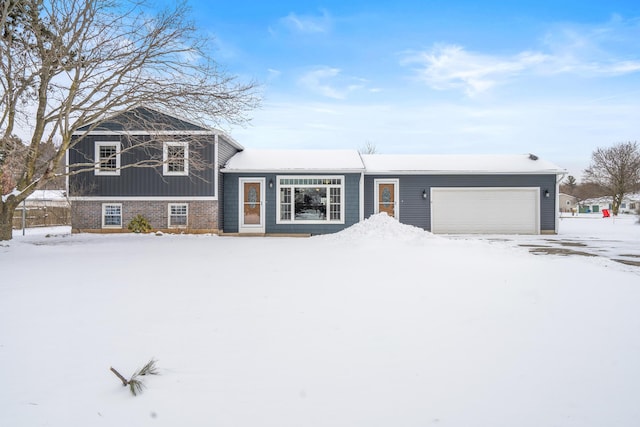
(48, 195)
(458, 164)
(295, 160)
(351, 160)
(42, 196)
(628, 198)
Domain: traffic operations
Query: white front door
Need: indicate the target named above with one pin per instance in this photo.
(251, 209)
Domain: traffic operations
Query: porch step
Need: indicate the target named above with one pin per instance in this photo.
(264, 234)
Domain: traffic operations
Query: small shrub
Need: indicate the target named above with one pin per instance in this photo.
(139, 224)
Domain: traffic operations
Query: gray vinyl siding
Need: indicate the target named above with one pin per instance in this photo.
(415, 210)
(225, 152)
(351, 199)
(141, 182)
(142, 119)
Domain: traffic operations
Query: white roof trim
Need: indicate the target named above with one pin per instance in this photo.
(116, 199)
(439, 164)
(292, 171)
(463, 172)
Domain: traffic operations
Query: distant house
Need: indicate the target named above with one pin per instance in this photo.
(568, 203)
(594, 205)
(274, 192)
(47, 198)
(43, 208)
(630, 204)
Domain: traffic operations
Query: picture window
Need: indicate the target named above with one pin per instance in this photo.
(310, 199)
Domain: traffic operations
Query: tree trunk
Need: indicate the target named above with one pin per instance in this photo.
(617, 201)
(6, 220)
(6, 224)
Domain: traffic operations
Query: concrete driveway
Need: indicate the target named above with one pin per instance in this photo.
(617, 239)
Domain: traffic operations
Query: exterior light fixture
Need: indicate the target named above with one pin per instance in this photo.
(424, 194)
(546, 193)
(270, 183)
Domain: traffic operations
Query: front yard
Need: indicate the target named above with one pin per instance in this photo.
(379, 325)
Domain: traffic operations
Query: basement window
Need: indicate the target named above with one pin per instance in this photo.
(178, 215)
(112, 215)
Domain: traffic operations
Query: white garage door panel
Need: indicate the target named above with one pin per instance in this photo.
(485, 210)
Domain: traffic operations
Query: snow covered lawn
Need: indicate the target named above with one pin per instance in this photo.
(380, 325)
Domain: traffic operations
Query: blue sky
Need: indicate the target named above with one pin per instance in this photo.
(553, 78)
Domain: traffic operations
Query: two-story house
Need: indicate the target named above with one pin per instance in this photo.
(144, 162)
(186, 177)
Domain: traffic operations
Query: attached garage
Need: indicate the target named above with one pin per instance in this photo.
(465, 194)
(485, 210)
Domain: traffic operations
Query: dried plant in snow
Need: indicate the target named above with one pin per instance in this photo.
(135, 383)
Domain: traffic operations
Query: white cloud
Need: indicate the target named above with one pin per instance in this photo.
(307, 23)
(452, 67)
(273, 73)
(589, 52)
(623, 67)
(329, 82)
(565, 132)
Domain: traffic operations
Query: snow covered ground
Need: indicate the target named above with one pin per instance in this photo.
(380, 325)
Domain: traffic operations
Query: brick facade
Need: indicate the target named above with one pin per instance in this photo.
(86, 215)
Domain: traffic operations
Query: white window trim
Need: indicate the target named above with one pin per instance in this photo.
(165, 158)
(144, 199)
(97, 170)
(169, 206)
(328, 186)
(396, 196)
(104, 206)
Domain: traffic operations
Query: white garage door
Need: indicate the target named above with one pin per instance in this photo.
(485, 210)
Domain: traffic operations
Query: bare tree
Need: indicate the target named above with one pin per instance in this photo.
(13, 153)
(65, 64)
(368, 148)
(571, 184)
(617, 169)
(589, 190)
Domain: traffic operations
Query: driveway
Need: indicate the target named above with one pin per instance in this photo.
(588, 235)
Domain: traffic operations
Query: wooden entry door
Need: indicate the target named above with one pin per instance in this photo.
(251, 209)
(386, 197)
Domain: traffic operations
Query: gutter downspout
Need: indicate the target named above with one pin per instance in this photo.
(557, 207)
(361, 207)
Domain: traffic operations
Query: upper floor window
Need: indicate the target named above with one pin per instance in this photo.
(175, 158)
(107, 158)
